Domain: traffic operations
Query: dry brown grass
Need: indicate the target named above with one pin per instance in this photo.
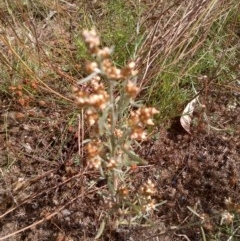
(174, 32)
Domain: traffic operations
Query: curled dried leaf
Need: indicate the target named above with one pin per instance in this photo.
(186, 118)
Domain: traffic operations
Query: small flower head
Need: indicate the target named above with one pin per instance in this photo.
(132, 89)
(146, 115)
(98, 98)
(105, 52)
(148, 189)
(227, 218)
(150, 206)
(118, 133)
(129, 70)
(110, 70)
(91, 67)
(111, 164)
(92, 116)
(134, 119)
(92, 40)
(123, 191)
(94, 162)
(142, 116)
(93, 148)
(138, 133)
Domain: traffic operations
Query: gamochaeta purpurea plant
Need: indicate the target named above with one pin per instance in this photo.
(117, 121)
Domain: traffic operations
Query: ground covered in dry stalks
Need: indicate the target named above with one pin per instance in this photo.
(46, 190)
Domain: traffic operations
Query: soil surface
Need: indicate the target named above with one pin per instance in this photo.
(193, 173)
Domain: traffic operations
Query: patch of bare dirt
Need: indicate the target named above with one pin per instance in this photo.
(199, 170)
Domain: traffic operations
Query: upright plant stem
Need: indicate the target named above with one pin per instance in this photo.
(112, 136)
